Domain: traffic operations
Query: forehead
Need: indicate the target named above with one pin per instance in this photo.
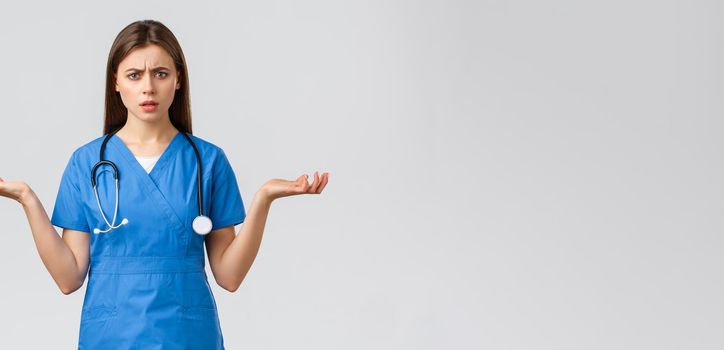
(147, 56)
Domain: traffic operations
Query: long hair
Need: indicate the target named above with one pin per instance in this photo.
(140, 34)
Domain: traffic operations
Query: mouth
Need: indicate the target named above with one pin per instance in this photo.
(149, 106)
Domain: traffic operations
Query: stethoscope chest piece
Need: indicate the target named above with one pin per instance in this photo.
(202, 225)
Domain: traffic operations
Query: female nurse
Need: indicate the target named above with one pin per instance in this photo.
(129, 203)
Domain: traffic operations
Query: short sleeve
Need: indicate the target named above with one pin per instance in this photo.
(227, 207)
(68, 209)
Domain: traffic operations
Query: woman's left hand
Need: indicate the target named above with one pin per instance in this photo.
(277, 188)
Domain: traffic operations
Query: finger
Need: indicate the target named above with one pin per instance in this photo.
(301, 184)
(325, 179)
(306, 183)
(301, 179)
(313, 188)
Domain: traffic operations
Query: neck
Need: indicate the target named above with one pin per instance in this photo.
(139, 131)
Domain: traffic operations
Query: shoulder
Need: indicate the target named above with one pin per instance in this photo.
(87, 153)
(207, 149)
(213, 156)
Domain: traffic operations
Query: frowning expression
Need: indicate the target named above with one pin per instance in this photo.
(147, 80)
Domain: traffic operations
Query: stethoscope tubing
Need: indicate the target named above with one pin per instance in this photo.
(206, 222)
(199, 172)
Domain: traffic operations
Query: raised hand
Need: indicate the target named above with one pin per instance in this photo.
(277, 188)
(14, 190)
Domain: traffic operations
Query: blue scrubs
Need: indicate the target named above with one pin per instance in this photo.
(147, 287)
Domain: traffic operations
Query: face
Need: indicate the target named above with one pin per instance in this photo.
(147, 74)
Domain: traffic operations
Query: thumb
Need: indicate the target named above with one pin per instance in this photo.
(1, 179)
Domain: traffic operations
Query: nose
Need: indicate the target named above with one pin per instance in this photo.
(148, 87)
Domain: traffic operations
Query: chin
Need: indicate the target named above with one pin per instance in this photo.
(149, 117)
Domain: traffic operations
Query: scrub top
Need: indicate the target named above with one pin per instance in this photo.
(147, 286)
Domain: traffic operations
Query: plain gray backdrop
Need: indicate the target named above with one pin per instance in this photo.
(503, 174)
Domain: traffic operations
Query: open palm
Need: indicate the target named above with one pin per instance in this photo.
(277, 188)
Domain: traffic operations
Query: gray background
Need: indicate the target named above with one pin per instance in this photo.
(504, 174)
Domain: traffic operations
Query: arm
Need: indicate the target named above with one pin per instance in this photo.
(230, 255)
(65, 258)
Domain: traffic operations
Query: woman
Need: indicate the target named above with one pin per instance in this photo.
(150, 203)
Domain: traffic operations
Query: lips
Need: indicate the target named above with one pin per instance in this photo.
(149, 103)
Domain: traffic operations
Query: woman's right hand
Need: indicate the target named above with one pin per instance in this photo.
(15, 190)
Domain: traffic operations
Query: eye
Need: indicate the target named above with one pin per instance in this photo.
(164, 74)
(130, 76)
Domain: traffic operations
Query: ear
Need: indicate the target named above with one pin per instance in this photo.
(178, 77)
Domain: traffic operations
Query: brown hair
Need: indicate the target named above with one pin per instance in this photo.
(140, 34)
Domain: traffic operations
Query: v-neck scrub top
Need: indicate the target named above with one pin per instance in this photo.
(147, 162)
(147, 285)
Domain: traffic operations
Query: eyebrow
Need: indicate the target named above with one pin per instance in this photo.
(141, 70)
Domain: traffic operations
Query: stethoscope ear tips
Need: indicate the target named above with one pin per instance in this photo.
(123, 222)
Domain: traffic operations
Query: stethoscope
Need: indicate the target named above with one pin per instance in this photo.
(201, 224)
